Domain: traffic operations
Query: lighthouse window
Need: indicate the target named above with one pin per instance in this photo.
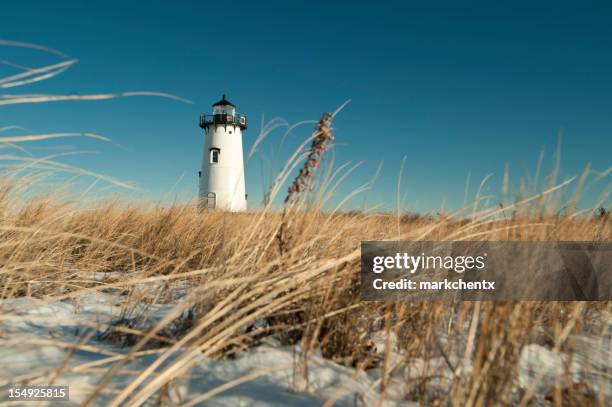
(214, 155)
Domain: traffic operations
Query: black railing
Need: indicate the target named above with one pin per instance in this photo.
(236, 119)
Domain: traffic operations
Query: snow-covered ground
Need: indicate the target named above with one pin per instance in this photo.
(36, 338)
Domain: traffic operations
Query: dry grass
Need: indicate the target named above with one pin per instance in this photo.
(308, 295)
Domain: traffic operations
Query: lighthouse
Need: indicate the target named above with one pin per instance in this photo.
(222, 173)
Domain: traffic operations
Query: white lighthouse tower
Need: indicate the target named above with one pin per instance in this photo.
(222, 174)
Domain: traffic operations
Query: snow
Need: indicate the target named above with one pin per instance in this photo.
(591, 363)
(37, 337)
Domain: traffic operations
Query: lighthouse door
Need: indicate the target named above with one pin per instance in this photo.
(211, 200)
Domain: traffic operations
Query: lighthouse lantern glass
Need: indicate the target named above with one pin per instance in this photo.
(224, 109)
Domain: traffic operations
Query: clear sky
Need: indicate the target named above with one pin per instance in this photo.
(455, 89)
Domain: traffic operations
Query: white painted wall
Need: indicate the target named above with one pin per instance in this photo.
(225, 178)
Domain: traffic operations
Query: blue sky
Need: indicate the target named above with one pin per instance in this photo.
(456, 90)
